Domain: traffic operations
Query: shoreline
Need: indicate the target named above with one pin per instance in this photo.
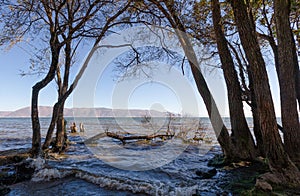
(238, 178)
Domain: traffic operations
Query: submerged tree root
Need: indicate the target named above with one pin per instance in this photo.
(13, 156)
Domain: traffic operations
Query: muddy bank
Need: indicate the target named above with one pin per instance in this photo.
(13, 156)
(13, 168)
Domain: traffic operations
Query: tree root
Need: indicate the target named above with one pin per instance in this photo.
(269, 181)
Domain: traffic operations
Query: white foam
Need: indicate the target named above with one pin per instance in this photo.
(117, 184)
(49, 174)
(135, 186)
(192, 190)
(37, 163)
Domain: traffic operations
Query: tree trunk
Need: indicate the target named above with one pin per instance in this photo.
(297, 82)
(212, 109)
(241, 136)
(296, 64)
(36, 128)
(36, 133)
(250, 100)
(60, 132)
(55, 113)
(62, 98)
(287, 79)
(278, 159)
(51, 127)
(256, 123)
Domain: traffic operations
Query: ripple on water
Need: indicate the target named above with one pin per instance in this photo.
(172, 177)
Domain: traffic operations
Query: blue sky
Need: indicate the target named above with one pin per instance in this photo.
(15, 91)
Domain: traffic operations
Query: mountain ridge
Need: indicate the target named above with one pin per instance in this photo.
(46, 111)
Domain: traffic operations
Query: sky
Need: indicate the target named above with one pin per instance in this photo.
(167, 90)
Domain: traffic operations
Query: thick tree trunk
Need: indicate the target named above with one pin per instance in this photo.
(256, 124)
(250, 100)
(36, 128)
(275, 153)
(241, 136)
(60, 132)
(287, 79)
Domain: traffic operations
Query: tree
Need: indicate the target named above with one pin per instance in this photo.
(99, 33)
(17, 23)
(51, 18)
(277, 19)
(295, 23)
(279, 161)
(62, 24)
(167, 8)
(58, 26)
(241, 136)
(231, 145)
(287, 72)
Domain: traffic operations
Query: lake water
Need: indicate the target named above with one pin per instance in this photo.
(156, 167)
(16, 132)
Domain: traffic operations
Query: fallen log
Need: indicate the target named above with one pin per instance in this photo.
(124, 138)
(94, 138)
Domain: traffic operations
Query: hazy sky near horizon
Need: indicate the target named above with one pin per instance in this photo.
(160, 94)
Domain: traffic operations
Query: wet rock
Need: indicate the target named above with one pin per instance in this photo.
(16, 173)
(6, 176)
(263, 186)
(217, 161)
(206, 173)
(24, 171)
(272, 178)
(4, 190)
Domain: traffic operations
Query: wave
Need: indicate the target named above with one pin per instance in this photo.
(116, 183)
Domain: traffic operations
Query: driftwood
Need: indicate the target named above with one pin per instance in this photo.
(124, 138)
(94, 138)
(199, 136)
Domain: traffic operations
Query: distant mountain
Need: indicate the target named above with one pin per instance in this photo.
(46, 111)
(23, 112)
(4, 113)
